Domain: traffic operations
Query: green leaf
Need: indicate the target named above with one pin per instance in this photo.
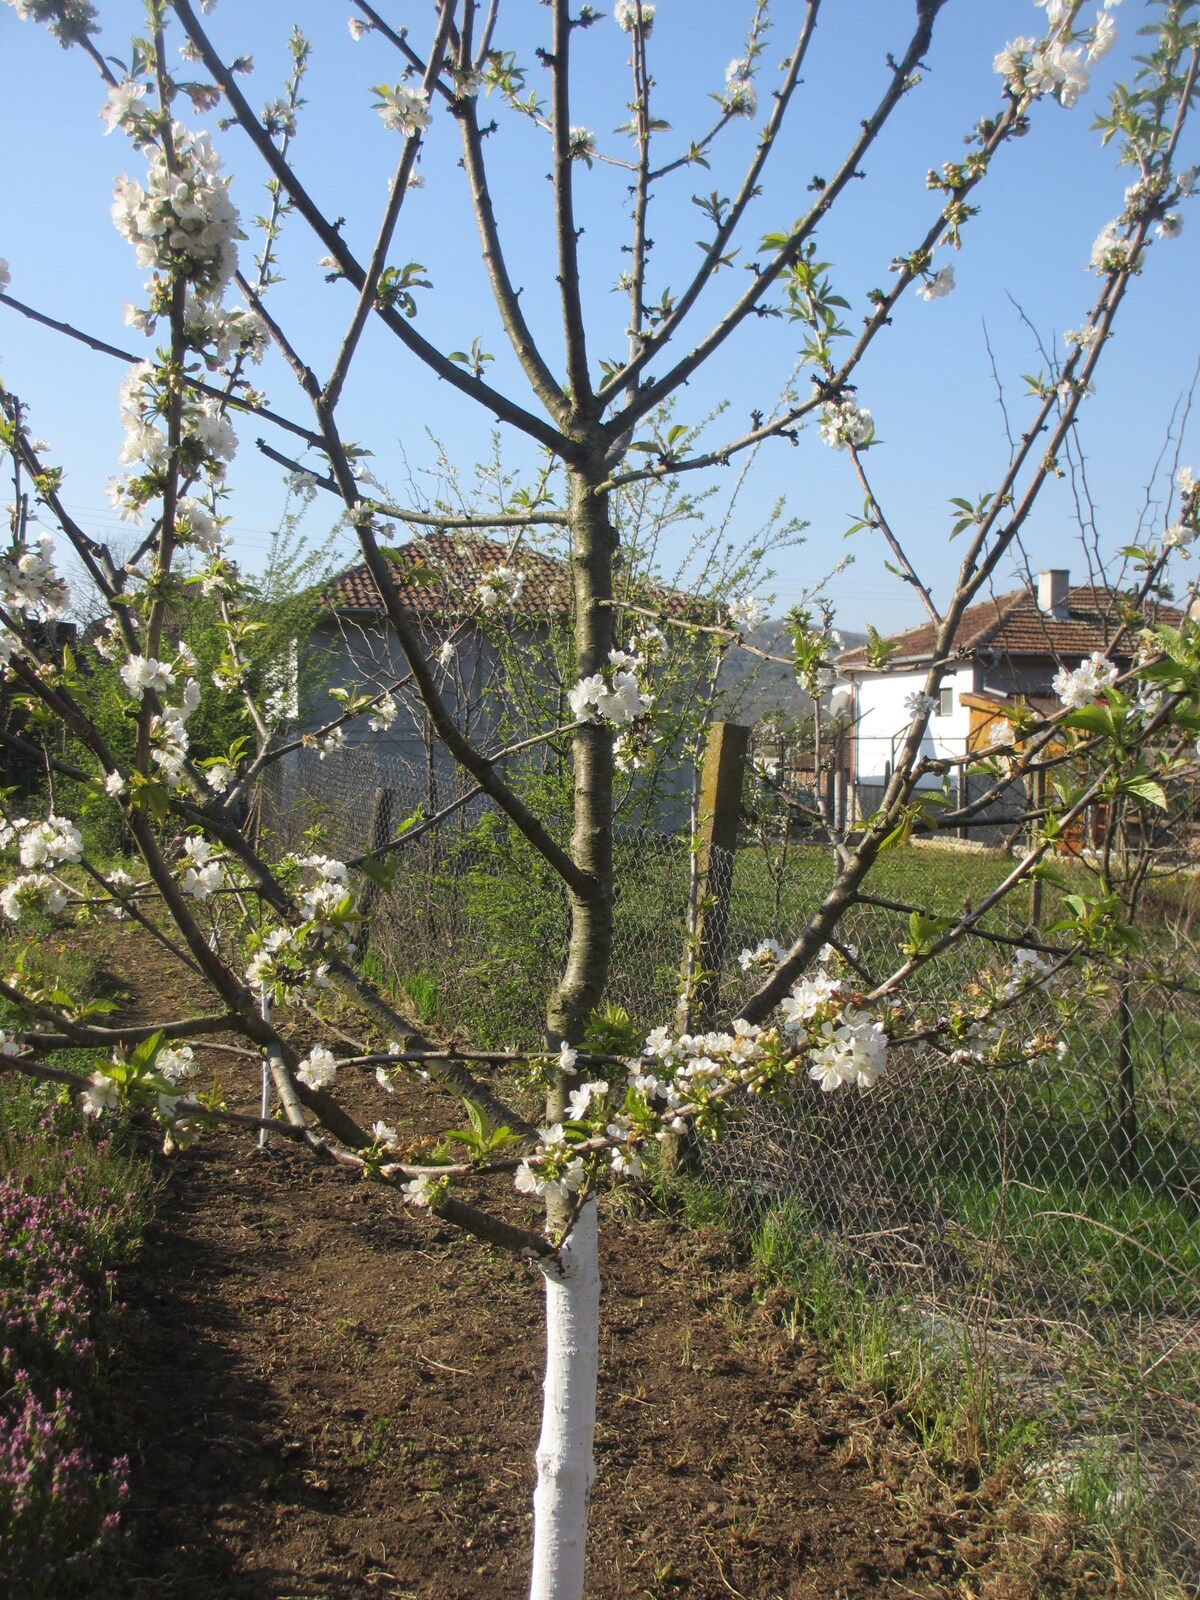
(1145, 789)
(381, 873)
(1093, 719)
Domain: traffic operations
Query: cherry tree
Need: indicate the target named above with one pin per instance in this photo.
(265, 932)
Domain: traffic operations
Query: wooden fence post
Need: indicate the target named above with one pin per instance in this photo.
(716, 840)
(1038, 788)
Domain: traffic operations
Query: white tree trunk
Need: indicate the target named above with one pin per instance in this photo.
(564, 1453)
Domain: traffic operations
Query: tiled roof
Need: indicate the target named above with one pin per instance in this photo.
(450, 569)
(1011, 625)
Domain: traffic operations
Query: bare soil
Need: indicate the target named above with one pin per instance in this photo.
(326, 1395)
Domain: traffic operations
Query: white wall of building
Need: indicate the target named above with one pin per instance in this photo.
(882, 720)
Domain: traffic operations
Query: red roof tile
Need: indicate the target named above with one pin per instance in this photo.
(1012, 625)
(451, 568)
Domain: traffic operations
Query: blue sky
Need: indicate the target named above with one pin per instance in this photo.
(928, 381)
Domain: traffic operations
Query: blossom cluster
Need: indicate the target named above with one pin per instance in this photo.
(845, 425)
(202, 874)
(207, 444)
(746, 612)
(52, 843)
(629, 13)
(740, 99)
(28, 581)
(1087, 683)
(183, 223)
(500, 587)
(1184, 529)
(168, 726)
(403, 111)
(1059, 66)
(615, 695)
(288, 962)
(1113, 253)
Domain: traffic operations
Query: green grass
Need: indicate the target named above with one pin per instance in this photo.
(942, 1379)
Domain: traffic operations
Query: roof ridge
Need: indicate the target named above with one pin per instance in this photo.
(1014, 624)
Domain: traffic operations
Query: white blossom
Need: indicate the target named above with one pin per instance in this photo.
(739, 98)
(447, 652)
(384, 714)
(806, 999)
(765, 957)
(183, 222)
(1104, 36)
(746, 612)
(122, 104)
(843, 424)
(579, 1100)
(1111, 253)
(920, 705)
(1027, 971)
(330, 742)
(584, 699)
(404, 111)
(939, 284)
(420, 1191)
(101, 1095)
(143, 672)
(51, 843)
(199, 882)
(28, 582)
(1082, 338)
(318, 1069)
(502, 585)
(5, 275)
(628, 13)
(34, 889)
(1087, 683)
(175, 1064)
(581, 144)
(1010, 63)
(1171, 226)
(852, 1050)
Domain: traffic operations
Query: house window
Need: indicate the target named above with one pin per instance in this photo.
(945, 702)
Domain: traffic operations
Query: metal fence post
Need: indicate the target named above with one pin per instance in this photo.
(716, 840)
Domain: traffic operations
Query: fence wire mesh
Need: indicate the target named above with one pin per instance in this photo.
(1042, 1223)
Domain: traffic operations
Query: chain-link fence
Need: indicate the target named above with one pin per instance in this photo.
(1040, 1222)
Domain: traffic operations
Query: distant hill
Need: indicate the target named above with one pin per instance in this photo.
(750, 688)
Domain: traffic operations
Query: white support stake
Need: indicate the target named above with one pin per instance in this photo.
(265, 1112)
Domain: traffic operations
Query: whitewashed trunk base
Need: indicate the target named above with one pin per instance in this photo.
(564, 1453)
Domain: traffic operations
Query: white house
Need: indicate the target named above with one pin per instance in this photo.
(1007, 648)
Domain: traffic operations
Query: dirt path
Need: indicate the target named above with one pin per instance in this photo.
(330, 1397)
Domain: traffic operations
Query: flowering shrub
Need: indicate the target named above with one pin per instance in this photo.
(59, 1501)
